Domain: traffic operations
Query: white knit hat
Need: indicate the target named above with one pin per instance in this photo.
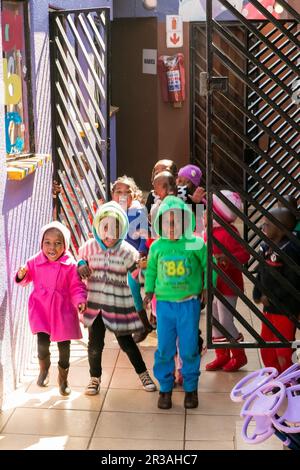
(222, 210)
(58, 226)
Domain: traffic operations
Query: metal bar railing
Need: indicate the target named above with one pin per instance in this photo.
(249, 26)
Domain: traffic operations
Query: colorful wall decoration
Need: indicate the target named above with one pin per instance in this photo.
(14, 77)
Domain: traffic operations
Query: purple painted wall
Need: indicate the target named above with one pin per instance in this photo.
(4, 336)
(26, 205)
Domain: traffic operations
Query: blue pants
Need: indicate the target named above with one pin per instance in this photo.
(177, 319)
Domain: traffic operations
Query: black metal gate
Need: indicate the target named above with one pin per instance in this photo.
(246, 86)
(80, 115)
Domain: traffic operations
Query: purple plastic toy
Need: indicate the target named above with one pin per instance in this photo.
(292, 375)
(289, 421)
(272, 405)
(247, 385)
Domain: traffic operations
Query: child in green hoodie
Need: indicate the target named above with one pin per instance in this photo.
(176, 274)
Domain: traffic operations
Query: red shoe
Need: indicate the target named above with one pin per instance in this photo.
(238, 360)
(223, 356)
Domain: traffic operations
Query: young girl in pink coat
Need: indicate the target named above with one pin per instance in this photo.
(58, 293)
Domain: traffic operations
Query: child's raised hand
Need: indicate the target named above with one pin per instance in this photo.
(198, 195)
(84, 271)
(147, 299)
(81, 307)
(22, 272)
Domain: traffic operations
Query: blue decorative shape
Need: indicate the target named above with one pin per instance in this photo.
(18, 145)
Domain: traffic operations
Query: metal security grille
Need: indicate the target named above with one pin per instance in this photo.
(80, 115)
(246, 132)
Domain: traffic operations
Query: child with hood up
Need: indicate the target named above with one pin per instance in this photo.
(58, 293)
(107, 261)
(176, 274)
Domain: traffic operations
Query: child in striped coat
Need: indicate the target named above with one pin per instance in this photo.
(106, 261)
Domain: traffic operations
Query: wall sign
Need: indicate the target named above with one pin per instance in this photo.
(150, 61)
(174, 31)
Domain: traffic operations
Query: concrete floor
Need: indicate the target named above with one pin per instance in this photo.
(123, 415)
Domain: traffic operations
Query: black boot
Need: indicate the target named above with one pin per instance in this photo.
(191, 399)
(138, 337)
(43, 378)
(165, 400)
(64, 388)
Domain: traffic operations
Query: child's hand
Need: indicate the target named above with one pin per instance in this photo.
(56, 189)
(148, 298)
(84, 271)
(142, 262)
(204, 297)
(22, 272)
(81, 307)
(198, 195)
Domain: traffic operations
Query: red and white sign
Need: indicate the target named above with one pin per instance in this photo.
(174, 31)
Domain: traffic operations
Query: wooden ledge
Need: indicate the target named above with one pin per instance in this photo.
(19, 168)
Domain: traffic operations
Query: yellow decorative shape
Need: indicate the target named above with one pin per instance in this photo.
(15, 173)
(14, 81)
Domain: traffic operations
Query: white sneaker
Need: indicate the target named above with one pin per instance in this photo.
(147, 382)
(93, 387)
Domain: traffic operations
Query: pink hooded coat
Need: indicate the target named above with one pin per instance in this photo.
(57, 291)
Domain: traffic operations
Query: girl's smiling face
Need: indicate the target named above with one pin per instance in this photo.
(53, 244)
(123, 195)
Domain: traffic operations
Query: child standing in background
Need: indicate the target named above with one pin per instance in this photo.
(235, 358)
(57, 293)
(188, 185)
(126, 193)
(164, 184)
(161, 165)
(278, 300)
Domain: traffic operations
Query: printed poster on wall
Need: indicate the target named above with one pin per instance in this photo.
(150, 61)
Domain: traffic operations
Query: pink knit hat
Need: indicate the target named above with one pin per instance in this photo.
(222, 210)
(192, 173)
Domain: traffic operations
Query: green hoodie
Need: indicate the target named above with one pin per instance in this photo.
(176, 269)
